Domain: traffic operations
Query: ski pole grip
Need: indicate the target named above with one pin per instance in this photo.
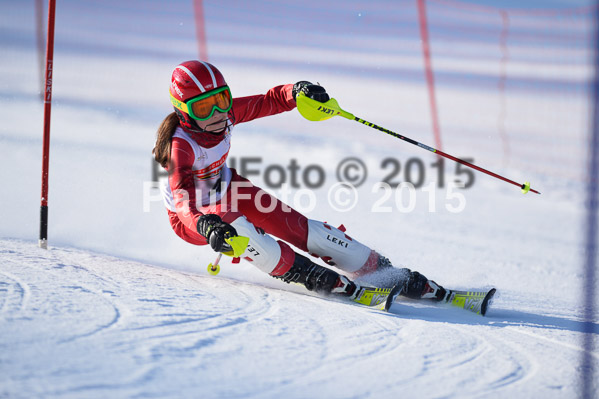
(316, 111)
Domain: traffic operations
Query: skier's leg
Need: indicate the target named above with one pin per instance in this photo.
(333, 245)
(267, 212)
(320, 239)
(263, 250)
(338, 249)
(360, 261)
(280, 261)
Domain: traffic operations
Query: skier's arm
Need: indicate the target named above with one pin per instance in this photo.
(180, 177)
(276, 100)
(184, 195)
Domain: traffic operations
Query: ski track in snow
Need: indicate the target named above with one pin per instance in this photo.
(111, 327)
(15, 294)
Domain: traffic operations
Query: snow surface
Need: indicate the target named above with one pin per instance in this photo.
(121, 307)
(78, 324)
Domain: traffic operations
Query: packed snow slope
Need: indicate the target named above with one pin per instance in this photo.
(121, 307)
(78, 324)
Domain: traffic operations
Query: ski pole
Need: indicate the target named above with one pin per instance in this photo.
(317, 111)
(214, 268)
(238, 245)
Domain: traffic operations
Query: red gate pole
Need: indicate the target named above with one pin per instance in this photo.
(43, 241)
(39, 31)
(428, 68)
(201, 29)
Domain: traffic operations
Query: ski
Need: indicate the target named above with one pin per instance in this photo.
(475, 301)
(395, 292)
(377, 298)
(382, 298)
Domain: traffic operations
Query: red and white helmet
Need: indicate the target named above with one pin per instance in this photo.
(191, 79)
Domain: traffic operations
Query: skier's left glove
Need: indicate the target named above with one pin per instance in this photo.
(215, 230)
(313, 91)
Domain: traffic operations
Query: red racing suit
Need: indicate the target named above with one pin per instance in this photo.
(200, 182)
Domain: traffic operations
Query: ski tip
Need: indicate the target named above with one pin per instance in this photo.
(487, 301)
(395, 291)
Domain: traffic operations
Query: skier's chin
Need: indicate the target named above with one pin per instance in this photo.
(217, 128)
(216, 133)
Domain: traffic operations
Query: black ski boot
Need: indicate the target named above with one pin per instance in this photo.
(318, 278)
(416, 286)
(419, 287)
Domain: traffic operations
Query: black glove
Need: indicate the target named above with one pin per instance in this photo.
(315, 92)
(215, 230)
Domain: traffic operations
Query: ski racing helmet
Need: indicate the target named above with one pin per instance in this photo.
(197, 90)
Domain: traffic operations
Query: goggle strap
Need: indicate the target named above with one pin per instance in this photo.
(180, 105)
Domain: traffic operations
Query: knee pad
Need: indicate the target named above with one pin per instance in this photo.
(263, 251)
(335, 247)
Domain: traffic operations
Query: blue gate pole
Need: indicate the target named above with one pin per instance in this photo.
(590, 259)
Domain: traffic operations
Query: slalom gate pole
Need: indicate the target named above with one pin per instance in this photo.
(317, 111)
(43, 240)
(588, 365)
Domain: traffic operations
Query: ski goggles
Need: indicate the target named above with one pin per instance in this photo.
(203, 106)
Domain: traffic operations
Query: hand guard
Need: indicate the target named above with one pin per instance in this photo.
(215, 230)
(313, 91)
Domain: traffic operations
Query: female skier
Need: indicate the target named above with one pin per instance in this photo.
(209, 202)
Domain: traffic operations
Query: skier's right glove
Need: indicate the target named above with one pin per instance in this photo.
(312, 91)
(215, 231)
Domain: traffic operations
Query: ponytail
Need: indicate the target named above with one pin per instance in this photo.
(162, 149)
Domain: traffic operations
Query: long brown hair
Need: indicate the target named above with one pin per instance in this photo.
(162, 149)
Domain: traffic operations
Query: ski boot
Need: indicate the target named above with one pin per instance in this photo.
(318, 278)
(419, 287)
(416, 286)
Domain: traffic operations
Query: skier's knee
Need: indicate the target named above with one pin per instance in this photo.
(263, 251)
(335, 247)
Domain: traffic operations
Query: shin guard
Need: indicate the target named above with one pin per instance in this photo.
(263, 251)
(335, 247)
